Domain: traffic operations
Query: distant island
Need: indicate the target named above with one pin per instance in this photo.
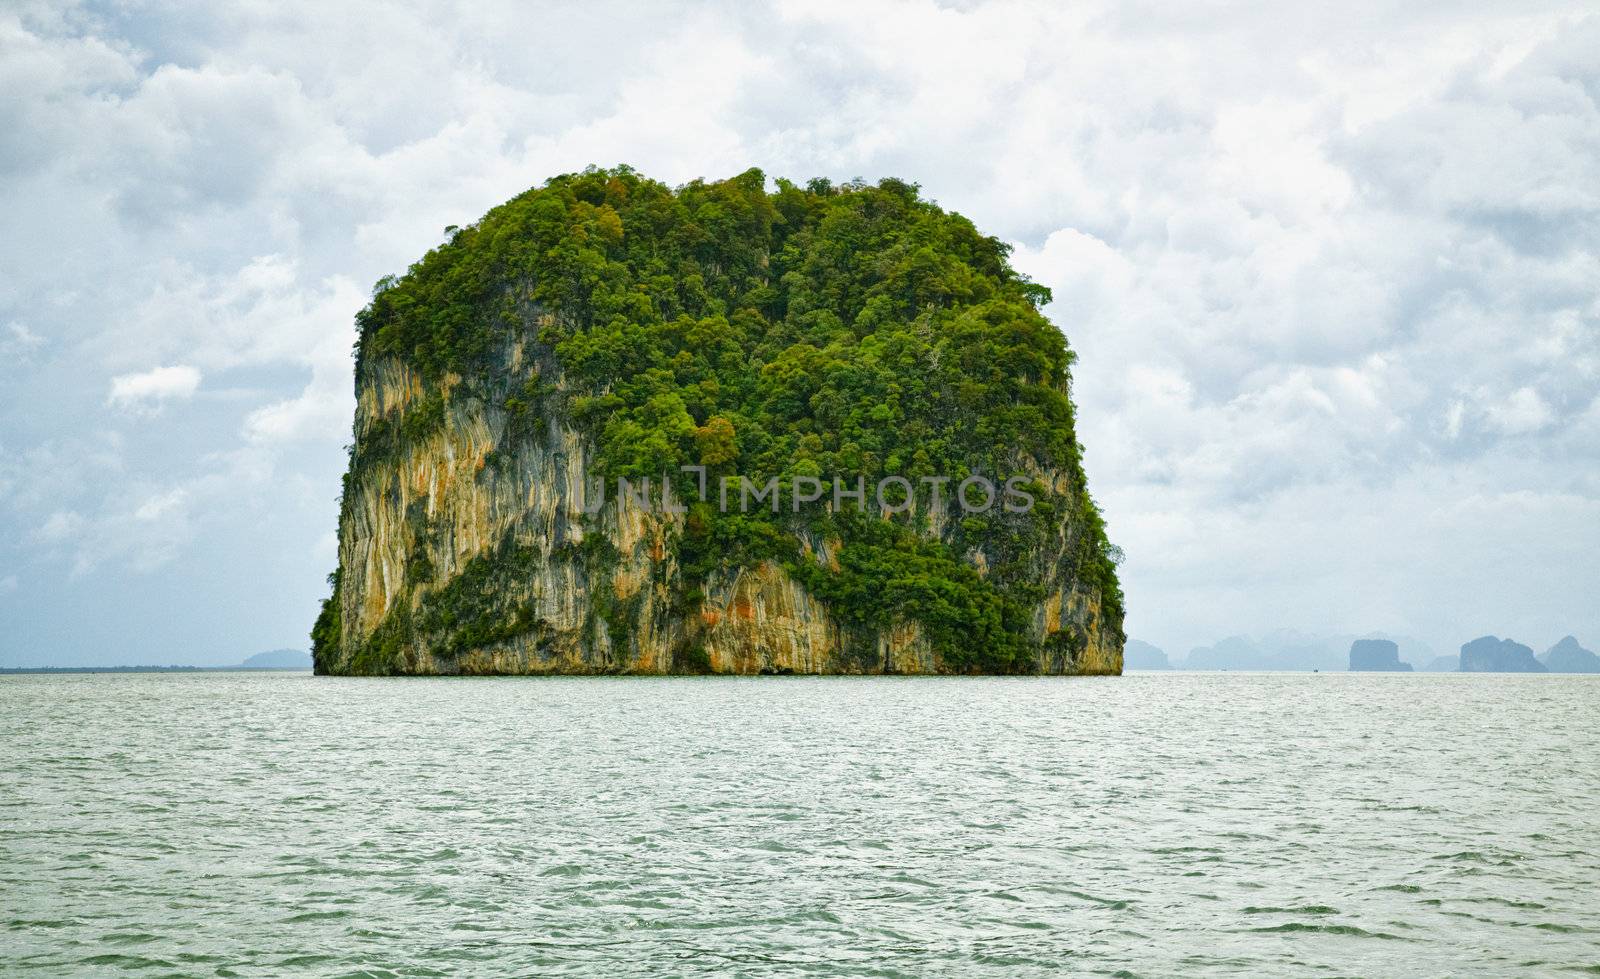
(1286, 651)
(278, 659)
(1282, 650)
(1137, 655)
(1491, 654)
(272, 660)
(1376, 656)
(1567, 656)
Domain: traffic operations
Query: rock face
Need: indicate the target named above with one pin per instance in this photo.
(1443, 664)
(1491, 654)
(1376, 656)
(1567, 656)
(480, 529)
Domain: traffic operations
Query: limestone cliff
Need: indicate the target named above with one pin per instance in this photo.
(1377, 656)
(481, 531)
(1491, 654)
(1568, 656)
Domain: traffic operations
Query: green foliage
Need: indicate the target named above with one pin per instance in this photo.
(715, 442)
(524, 411)
(691, 659)
(889, 573)
(809, 330)
(471, 611)
(385, 647)
(325, 632)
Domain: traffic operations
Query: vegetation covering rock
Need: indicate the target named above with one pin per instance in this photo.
(604, 325)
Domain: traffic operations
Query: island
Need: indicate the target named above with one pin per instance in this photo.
(1377, 656)
(1491, 654)
(617, 427)
(1568, 656)
(1138, 655)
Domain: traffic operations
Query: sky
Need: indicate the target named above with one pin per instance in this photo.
(1331, 275)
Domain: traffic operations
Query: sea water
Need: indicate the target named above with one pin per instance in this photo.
(1150, 825)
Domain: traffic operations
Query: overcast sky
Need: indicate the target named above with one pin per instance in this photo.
(1332, 277)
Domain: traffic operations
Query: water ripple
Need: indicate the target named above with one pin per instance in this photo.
(1180, 824)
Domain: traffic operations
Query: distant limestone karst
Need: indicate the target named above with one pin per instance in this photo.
(1138, 655)
(1376, 656)
(1567, 656)
(278, 659)
(1491, 654)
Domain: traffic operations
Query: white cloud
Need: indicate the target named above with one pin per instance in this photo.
(1524, 411)
(1331, 273)
(18, 342)
(153, 386)
(141, 529)
(60, 526)
(314, 414)
(161, 505)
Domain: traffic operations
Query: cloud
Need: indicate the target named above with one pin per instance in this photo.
(161, 505)
(141, 529)
(149, 388)
(60, 526)
(46, 475)
(1331, 274)
(1521, 412)
(18, 343)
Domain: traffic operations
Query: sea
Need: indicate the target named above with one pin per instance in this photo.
(1154, 824)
